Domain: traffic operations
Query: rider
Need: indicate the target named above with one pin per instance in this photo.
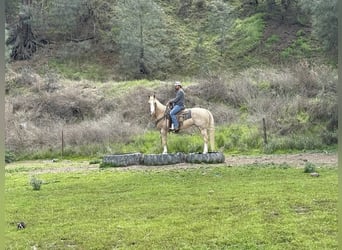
(178, 105)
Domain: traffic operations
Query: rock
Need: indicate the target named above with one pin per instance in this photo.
(21, 225)
(314, 174)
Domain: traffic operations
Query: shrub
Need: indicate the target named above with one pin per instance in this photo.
(309, 168)
(186, 143)
(293, 143)
(35, 183)
(238, 137)
(9, 156)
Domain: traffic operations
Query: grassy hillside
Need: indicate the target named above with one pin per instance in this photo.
(270, 68)
(299, 106)
(202, 36)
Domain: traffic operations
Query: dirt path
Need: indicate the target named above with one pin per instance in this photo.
(290, 159)
(295, 160)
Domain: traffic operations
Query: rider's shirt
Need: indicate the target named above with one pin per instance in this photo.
(179, 99)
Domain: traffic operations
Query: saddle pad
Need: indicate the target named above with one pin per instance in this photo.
(187, 115)
(184, 114)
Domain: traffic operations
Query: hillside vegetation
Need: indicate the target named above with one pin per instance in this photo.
(247, 64)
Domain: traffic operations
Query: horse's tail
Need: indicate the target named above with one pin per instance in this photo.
(211, 132)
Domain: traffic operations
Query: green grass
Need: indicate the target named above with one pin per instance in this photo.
(272, 40)
(150, 143)
(302, 47)
(246, 36)
(217, 207)
(80, 69)
(233, 139)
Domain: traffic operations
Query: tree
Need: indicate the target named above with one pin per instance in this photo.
(220, 21)
(59, 19)
(62, 19)
(12, 10)
(140, 32)
(8, 49)
(212, 33)
(324, 19)
(23, 39)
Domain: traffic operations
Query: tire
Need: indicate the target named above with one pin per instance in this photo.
(122, 160)
(163, 159)
(212, 157)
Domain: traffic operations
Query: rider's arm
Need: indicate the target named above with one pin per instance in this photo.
(177, 98)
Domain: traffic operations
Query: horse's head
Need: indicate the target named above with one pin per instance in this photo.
(152, 102)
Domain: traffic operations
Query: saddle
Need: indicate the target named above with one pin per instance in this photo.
(182, 115)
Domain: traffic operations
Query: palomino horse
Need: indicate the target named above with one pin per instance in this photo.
(201, 118)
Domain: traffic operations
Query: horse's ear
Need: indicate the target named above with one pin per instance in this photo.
(154, 95)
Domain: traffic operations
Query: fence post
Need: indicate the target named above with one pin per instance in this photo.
(264, 128)
(62, 143)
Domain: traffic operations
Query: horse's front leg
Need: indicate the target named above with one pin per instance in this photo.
(163, 134)
(205, 139)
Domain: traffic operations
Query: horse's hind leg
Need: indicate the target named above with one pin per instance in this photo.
(205, 139)
(163, 135)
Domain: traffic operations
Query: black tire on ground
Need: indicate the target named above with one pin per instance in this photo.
(163, 159)
(211, 157)
(122, 160)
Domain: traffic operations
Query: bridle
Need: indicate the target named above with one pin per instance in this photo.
(166, 113)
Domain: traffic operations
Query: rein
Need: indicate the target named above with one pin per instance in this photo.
(163, 117)
(157, 121)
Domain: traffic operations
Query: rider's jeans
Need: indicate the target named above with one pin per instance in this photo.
(173, 113)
